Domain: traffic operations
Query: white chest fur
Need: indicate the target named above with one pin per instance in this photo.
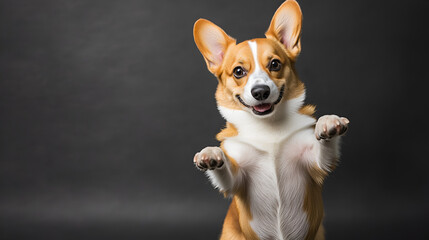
(270, 157)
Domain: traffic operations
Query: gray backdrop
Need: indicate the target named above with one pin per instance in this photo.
(104, 103)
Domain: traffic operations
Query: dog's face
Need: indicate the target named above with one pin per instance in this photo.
(255, 75)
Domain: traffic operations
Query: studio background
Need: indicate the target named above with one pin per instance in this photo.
(104, 103)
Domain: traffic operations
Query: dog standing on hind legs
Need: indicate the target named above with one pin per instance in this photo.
(273, 155)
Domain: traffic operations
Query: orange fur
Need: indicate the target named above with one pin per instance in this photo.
(313, 205)
(236, 225)
(307, 110)
(231, 226)
(320, 233)
(244, 216)
(229, 131)
(237, 220)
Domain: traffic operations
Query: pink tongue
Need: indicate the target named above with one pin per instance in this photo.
(262, 107)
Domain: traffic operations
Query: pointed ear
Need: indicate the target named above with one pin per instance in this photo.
(212, 42)
(286, 27)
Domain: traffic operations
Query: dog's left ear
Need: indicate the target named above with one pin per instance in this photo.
(286, 27)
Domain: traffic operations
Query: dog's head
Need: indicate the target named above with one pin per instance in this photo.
(255, 75)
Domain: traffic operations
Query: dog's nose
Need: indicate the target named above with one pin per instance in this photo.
(260, 92)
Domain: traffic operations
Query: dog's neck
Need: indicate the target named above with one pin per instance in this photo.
(284, 121)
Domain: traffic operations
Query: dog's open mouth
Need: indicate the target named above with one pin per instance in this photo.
(264, 108)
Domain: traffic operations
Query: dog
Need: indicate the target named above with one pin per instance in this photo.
(273, 155)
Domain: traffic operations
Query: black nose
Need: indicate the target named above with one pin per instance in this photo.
(260, 92)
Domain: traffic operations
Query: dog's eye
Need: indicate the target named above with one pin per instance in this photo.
(275, 65)
(239, 72)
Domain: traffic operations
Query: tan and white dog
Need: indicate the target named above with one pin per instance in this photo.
(273, 155)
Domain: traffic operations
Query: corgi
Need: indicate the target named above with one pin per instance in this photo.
(273, 155)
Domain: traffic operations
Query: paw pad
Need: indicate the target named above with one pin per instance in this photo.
(209, 158)
(329, 126)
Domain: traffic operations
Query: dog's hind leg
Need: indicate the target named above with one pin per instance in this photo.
(320, 235)
(231, 227)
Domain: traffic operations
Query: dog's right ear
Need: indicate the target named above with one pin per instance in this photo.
(212, 42)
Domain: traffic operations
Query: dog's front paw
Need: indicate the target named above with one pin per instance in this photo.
(209, 158)
(329, 126)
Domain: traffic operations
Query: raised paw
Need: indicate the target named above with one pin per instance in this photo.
(209, 158)
(329, 126)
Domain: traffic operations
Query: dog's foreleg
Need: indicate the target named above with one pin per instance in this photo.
(328, 130)
(223, 175)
